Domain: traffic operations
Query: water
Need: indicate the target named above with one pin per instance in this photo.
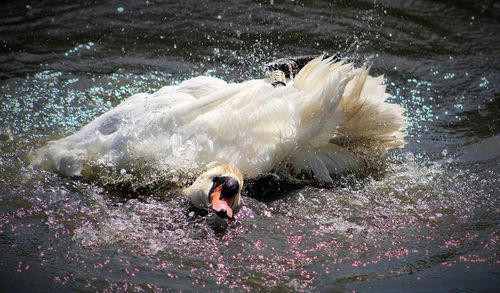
(428, 222)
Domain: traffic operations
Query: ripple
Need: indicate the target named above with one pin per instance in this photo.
(428, 221)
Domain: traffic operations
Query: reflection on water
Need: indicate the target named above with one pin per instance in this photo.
(429, 221)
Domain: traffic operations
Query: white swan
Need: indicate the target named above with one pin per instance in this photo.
(324, 121)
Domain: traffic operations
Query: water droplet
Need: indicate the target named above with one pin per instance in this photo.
(484, 82)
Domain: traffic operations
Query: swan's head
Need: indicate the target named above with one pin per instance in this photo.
(218, 189)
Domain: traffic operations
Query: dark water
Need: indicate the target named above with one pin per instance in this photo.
(430, 222)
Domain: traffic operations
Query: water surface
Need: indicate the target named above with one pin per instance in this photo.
(429, 222)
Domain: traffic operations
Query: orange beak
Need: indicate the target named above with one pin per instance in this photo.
(221, 205)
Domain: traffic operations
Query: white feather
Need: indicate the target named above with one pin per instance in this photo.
(253, 126)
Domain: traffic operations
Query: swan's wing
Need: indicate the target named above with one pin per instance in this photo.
(362, 114)
(253, 130)
(196, 87)
(324, 84)
(136, 129)
(260, 126)
(348, 106)
(202, 86)
(369, 117)
(173, 95)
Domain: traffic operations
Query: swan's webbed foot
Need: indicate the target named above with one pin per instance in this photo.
(281, 69)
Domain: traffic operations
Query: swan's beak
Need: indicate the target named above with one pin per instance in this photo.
(223, 195)
(221, 206)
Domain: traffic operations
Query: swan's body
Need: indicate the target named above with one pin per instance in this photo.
(304, 127)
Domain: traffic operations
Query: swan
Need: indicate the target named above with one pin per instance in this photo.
(328, 118)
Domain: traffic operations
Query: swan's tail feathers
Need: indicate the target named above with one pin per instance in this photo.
(321, 162)
(368, 117)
